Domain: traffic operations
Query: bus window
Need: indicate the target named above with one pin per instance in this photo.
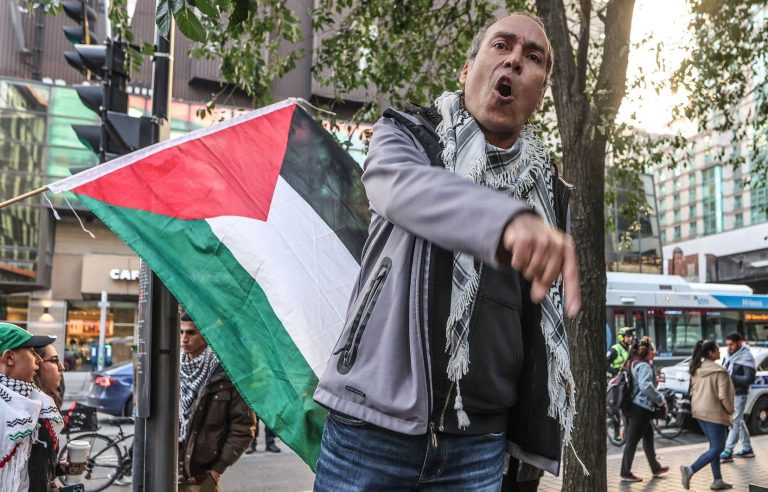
(680, 329)
(716, 325)
(756, 326)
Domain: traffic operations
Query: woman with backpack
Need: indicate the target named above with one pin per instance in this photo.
(712, 397)
(645, 400)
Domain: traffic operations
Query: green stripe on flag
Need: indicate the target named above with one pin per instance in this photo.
(234, 315)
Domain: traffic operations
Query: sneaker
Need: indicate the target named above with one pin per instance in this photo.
(686, 473)
(661, 471)
(272, 448)
(250, 450)
(123, 481)
(744, 453)
(631, 478)
(726, 457)
(718, 484)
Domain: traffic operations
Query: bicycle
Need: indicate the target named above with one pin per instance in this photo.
(670, 424)
(110, 460)
(615, 425)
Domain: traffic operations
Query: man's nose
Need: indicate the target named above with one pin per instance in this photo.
(514, 59)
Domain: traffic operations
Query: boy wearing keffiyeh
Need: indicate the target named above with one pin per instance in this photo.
(29, 420)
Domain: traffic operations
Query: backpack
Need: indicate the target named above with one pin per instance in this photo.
(428, 139)
(620, 392)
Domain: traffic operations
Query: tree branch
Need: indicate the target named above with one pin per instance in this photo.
(612, 79)
(585, 12)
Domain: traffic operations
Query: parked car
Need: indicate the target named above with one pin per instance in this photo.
(677, 379)
(112, 390)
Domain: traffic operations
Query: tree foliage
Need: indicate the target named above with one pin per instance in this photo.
(725, 77)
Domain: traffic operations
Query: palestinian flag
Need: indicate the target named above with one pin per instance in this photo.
(256, 225)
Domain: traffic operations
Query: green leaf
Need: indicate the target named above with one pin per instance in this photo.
(239, 12)
(190, 25)
(207, 7)
(163, 18)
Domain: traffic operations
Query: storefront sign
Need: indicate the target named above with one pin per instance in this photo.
(123, 274)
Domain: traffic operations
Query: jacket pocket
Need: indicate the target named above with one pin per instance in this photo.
(348, 353)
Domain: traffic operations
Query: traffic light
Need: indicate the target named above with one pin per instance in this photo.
(85, 17)
(117, 133)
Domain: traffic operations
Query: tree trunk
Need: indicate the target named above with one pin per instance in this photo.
(584, 117)
(586, 334)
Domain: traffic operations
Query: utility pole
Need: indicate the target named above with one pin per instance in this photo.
(156, 446)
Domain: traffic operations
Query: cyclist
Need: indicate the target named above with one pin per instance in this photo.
(619, 352)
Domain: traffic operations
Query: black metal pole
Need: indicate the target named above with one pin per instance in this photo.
(162, 425)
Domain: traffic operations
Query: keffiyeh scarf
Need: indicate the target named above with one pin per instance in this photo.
(522, 172)
(195, 372)
(22, 408)
(742, 357)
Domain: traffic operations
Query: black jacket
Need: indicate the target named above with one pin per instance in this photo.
(743, 377)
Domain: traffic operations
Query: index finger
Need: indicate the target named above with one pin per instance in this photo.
(571, 284)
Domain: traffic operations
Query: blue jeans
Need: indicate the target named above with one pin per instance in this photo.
(739, 428)
(716, 436)
(357, 456)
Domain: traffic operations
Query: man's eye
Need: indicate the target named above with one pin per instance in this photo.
(499, 45)
(535, 57)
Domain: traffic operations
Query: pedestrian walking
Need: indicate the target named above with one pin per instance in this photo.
(741, 366)
(215, 423)
(449, 357)
(646, 400)
(30, 421)
(712, 399)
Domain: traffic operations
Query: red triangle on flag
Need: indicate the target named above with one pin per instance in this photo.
(230, 171)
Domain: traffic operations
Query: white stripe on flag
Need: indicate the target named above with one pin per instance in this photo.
(302, 266)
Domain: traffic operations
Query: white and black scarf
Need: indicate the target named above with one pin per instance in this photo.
(22, 407)
(195, 372)
(523, 172)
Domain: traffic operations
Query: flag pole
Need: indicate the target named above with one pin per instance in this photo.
(26, 195)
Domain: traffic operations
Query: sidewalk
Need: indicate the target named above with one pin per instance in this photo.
(740, 473)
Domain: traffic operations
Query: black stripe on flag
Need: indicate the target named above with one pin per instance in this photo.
(328, 179)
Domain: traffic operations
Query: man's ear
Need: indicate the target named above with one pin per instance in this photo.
(7, 357)
(463, 73)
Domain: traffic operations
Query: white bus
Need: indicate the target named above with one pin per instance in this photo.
(676, 314)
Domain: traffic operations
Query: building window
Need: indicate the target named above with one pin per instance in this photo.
(692, 195)
(738, 220)
(677, 215)
(678, 233)
(692, 229)
(676, 200)
(712, 199)
(737, 203)
(759, 202)
(664, 236)
(692, 211)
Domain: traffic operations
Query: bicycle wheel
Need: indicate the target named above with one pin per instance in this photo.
(670, 426)
(615, 425)
(103, 465)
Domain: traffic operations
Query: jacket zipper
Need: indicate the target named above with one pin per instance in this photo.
(350, 348)
(425, 331)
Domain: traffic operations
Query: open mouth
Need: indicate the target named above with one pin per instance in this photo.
(504, 89)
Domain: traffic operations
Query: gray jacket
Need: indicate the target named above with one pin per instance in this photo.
(380, 368)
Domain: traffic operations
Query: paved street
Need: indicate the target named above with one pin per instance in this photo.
(285, 472)
(740, 473)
